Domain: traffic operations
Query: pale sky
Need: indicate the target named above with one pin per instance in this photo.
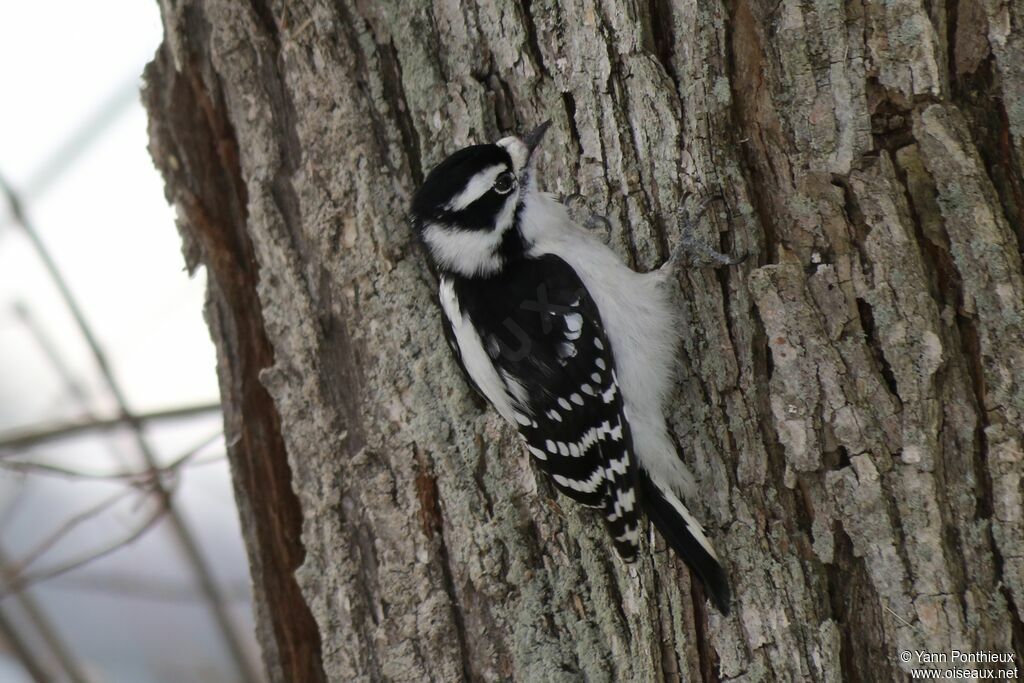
(105, 221)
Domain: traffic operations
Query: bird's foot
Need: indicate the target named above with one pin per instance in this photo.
(601, 225)
(691, 249)
(596, 223)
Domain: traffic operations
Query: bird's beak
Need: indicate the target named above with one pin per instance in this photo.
(533, 138)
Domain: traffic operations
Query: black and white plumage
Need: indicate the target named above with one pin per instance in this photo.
(550, 371)
(565, 341)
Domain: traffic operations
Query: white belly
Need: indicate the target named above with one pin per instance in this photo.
(641, 323)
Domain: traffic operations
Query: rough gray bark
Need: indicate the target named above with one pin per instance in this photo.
(851, 397)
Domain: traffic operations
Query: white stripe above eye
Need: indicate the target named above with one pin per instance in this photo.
(480, 183)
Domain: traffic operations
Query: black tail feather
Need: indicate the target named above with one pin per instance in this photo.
(674, 528)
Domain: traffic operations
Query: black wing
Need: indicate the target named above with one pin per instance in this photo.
(543, 334)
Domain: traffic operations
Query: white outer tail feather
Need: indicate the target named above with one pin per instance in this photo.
(692, 525)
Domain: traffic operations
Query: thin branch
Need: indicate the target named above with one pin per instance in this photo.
(145, 587)
(10, 506)
(186, 538)
(22, 652)
(44, 342)
(95, 124)
(65, 528)
(131, 477)
(25, 581)
(143, 482)
(191, 453)
(20, 439)
(18, 212)
(27, 467)
(48, 632)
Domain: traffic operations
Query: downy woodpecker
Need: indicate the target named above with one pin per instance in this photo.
(567, 343)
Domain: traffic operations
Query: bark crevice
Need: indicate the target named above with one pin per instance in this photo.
(195, 147)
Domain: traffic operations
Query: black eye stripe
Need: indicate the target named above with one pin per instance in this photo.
(479, 215)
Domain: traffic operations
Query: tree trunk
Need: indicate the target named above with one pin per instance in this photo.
(851, 397)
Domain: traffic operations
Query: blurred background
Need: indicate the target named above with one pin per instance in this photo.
(120, 553)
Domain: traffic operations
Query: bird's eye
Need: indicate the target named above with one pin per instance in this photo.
(504, 183)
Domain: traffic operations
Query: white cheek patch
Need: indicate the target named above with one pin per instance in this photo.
(477, 186)
(517, 150)
(468, 252)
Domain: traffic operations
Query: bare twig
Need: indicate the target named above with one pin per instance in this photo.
(21, 439)
(132, 477)
(191, 453)
(116, 102)
(142, 482)
(66, 527)
(24, 581)
(144, 587)
(43, 341)
(9, 507)
(22, 652)
(41, 622)
(189, 545)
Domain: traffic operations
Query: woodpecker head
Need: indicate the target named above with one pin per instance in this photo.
(467, 208)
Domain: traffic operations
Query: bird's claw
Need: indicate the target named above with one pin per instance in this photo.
(699, 253)
(600, 224)
(596, 222)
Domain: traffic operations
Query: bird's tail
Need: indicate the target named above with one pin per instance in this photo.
(686, 536)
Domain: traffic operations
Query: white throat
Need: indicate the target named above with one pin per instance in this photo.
(470, 253)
